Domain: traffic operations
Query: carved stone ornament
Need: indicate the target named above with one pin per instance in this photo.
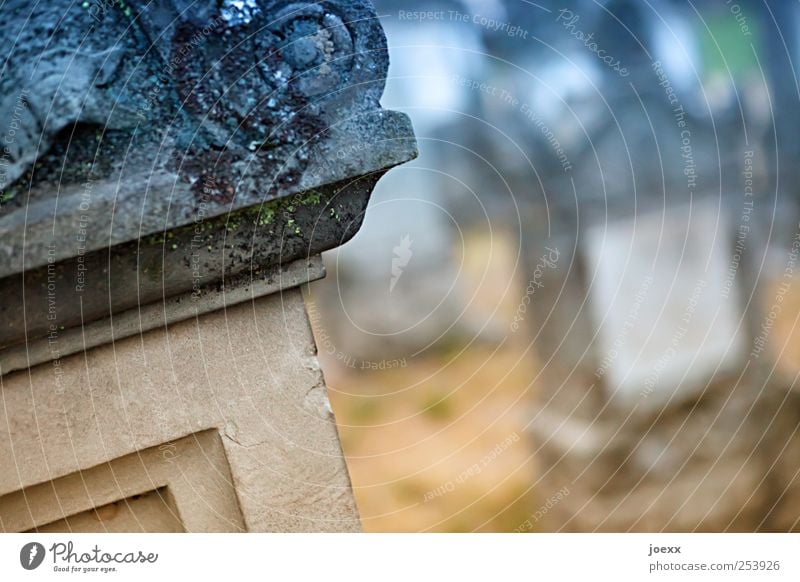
(157, 148)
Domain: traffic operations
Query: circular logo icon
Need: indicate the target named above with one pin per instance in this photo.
(31, 555)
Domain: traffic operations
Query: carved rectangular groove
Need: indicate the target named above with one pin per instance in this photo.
(184, 485)
(153, 512)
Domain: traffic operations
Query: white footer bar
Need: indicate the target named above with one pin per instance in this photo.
(400, 557)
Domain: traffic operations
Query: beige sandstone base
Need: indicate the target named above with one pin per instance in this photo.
(220, 424)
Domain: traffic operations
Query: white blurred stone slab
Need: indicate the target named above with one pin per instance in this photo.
(666, 320)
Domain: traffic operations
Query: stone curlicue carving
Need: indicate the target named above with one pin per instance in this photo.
(154, 148)
(232, 81)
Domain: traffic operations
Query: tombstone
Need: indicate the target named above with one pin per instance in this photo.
(647, 299)
(171, 173)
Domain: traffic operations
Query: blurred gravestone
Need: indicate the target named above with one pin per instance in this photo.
(652, 410)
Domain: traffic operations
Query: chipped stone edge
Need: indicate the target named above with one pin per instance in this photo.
(159, 314)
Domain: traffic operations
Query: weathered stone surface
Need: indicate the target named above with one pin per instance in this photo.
(249, 374)
(142, 318)
(167, 147)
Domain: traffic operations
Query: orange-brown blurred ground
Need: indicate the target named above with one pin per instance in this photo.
(440, 445)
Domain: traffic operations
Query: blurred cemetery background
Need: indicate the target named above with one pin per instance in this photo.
(577, 309)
